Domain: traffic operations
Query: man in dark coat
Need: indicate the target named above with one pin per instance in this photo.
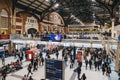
(78, 72)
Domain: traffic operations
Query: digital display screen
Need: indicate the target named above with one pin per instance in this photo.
(55, 37)
(54, 69)
(52, 37)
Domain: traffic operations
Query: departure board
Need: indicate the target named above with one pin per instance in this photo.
(54, 69)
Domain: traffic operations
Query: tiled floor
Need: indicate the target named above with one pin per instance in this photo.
(69, 73)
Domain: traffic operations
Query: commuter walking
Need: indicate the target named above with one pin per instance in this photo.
(83, 77)
(25, 77)
(72, 63)
(3, 60)
(4, 74)
(29, 69)
(30, 78)
(96, 65)
(39, 60)
(86, 63)
(35, 64)
(103, 69)
(108, 71)
(78, 72)
(57, 54)
(42, 61)
(32, 61)
(66, 59)
(63, 53)
(90, 64)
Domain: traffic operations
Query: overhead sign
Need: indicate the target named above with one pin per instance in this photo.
(54, 69)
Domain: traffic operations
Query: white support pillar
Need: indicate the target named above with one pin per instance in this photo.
(108, 46)
(113, 25)
(103, 41)
(91, 42)
(119, 13)
(0, 22)
(117, 60)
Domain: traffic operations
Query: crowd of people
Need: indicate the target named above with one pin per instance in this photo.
(94, 36)
(96, 59)
(6, 69)
(93, 58)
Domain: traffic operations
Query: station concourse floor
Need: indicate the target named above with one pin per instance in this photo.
(69, 73)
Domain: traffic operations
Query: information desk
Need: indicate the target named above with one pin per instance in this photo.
(54, 69)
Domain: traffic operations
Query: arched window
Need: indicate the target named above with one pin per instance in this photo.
(4, 21)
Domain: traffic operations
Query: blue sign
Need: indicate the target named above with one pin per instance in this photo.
(74, 52)
(119, 38)
(54, 69)
(1, 53)
(55, 37)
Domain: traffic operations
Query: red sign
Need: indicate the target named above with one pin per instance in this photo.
(4, 36)
(79, 56)
(30, 54)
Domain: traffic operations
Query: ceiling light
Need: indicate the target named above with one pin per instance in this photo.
(111, 2)
(93, 0)
(47, 0)
(56, 5)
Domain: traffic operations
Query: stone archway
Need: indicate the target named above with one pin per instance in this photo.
(31, 23)
(31, 31)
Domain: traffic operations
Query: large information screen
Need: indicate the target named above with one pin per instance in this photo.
(54, 69)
